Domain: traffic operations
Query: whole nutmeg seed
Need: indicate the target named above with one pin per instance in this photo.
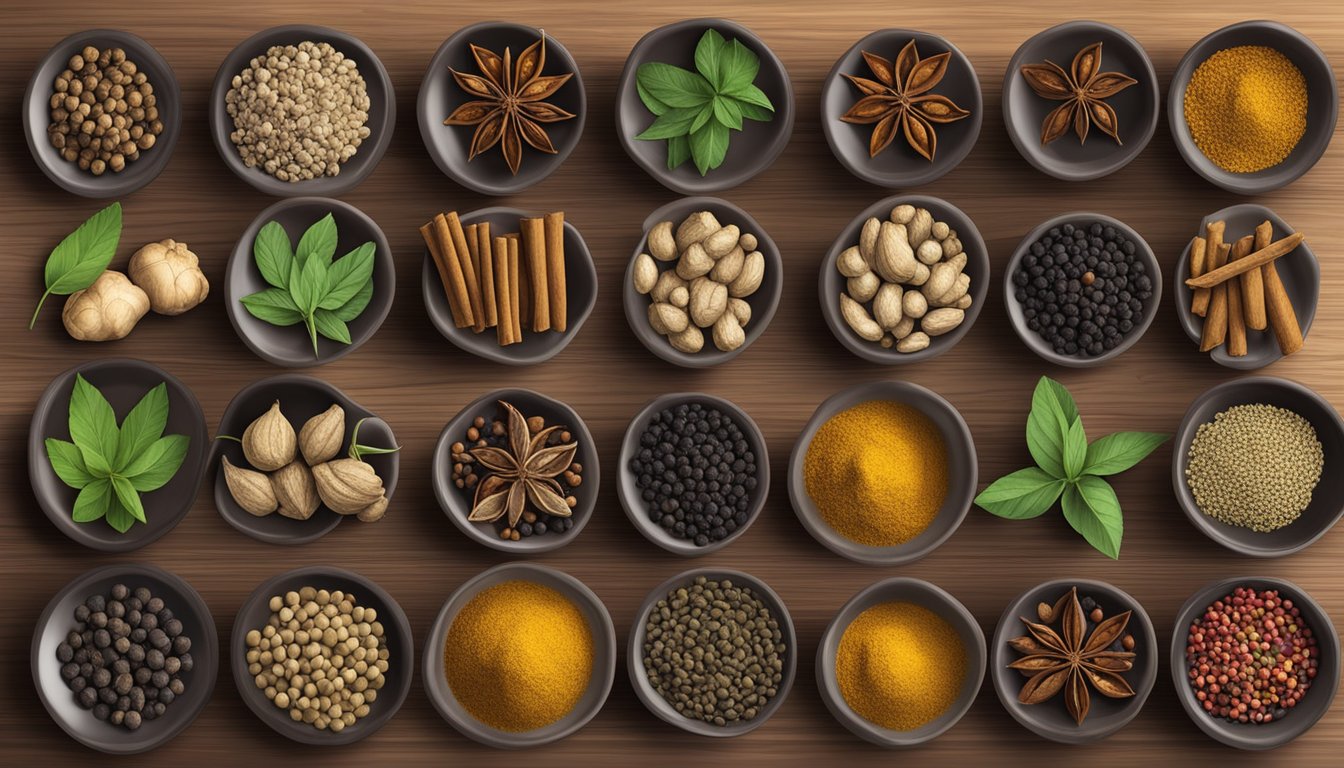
(347, 486)
(374, 512)
(321, 436)
(250, 489)
(269, 443)
(295, 490)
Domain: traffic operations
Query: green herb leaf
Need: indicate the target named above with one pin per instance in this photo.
(118, 517)
(68, 463)
(709, 146)
(142, 426)
(274, 306)
(272, 254)
(346, 275)
(727, 112)
(653, 105)
(751, 95)
(318, 242)
(1023, 494)
(128, 497)
(355, 306)
(358, 451)
(92, 501)
(678, 151)
(703, 116)
(708, 54)
(674, 86)
(1091, 507)
(158, 464)
(93, 426)
(1051, 390)
(1075, 449)
(738, 67)
(331, 326)
(82, 256)
(307, 292)
(750, 111)
(1052, 412)
(1117, 452)
(676, 121)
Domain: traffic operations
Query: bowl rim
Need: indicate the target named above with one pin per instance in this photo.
(656, 704)
(427, 124)
(1033, 340)
(1185, 434)
(436, 686)
(830, 639)
(380, 125)
(209, 665)
(766, 157)
(629, 442)
(810, 517)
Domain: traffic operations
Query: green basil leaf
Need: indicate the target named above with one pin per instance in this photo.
(701, 117)
(272, 254)
(1052, 412)
(738, 67)
(1075, 449)
(709, 145)
(311, 285)
(1091, 507)
(707, 56)
(676, 121)
(331, 326)
(347, 275)
(128, 497)
(1023, 494)
(68, 463)
(1117, 452)
(318, 242)
(1051, 393)
(727, 112)
(93, 426)
(92, 501)
(118, 517)
(274, 306)
(142, 426)
(355, 306)
(751, 95)
(750, 111)
(653, 105)
(674, 86)
(82, 256)
(158, 464)
(678, 151)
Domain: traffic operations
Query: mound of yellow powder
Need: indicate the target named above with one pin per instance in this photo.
(1246, 108)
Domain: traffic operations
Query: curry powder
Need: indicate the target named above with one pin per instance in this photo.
(1246, 108)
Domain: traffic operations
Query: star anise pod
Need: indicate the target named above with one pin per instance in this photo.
(1082, 89)
(524, 473)
(510, 106)
(1071, 660)
(899, 100)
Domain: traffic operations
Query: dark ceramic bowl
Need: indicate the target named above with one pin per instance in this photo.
(456, 503)
(301, 398)
(599, 685)
(1322, 104)
(290, 347)
(1299, 271)
(649, 696)
(396, 635)
(763, 302)
(382, 110)
(830, 283)
(750, 151)
(1327, 500)
(1033, 339)
(926, 595)
(961, 469)
(899, 166)
(449, 146)
(580, 291)
(1137, 106)
(629, 494)
(37, 116)
(1314, 704)
(123, 382)
(1050, 719)
(58, 620)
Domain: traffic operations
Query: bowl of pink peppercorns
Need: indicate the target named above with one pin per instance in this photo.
(1255, 661)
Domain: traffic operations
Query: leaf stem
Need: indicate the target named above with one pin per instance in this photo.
(40, 302)
(312, 332)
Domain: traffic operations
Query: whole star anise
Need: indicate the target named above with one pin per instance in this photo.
(899, 100)
(1082, 89)
(1071, 659)
(510, 106)
(523, 474)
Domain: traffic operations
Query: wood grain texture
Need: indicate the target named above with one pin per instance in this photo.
(417, 381)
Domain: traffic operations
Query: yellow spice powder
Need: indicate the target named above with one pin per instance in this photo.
(877, 472)
(1246, 108)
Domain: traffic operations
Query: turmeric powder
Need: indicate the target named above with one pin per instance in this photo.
(1246, 108)
(877, 472)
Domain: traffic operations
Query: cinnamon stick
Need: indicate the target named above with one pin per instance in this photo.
(534, 248)
(502, 296)
(486, 262)
(1279, 310)
(456, 284)
(1253, 287)
(554, 225)
(469, 272)
(1215, 322)
(1258, 258)
(518, 297)
(1199, 300)
(441, 266)
(1236, 320)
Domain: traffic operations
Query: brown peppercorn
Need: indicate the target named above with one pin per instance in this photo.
(1127, 642)
(506, 534)
(1096, 616)
(95, 102)
(536, 423)
(1088, 278)
(478, 422)
(576, 468)
(497, 429)
(473, 433)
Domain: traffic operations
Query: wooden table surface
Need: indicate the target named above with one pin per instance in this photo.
(417, 380)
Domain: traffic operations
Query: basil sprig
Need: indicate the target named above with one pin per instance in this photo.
(82, 256)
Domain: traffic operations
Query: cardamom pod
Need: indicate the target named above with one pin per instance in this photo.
(269, 443)
(250, 489)
(321, 437)
(295, 490)
(347, 486)
(374, 512)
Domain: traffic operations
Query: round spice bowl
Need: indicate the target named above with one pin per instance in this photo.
(961, 469)
(1033, 339)
(763, 302)
(57, 621)
(290, 346)
(1327, 500)
(382, 110)
(397, 636)
(636, 508)
(1299, 271)
(1322, 104)
(902, 589)
(37, 115)
(1050, 719)
(300, 398)
(899, 165)
(1314, 703)
(450, 146)
(594, 696)
(123, 382)
(1137, 106)
(457, 503)
(649, 696)
(750, 151)
(580, 293)
(830, 283)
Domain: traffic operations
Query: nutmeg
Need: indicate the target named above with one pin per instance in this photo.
(295, 491)
(321, 437)
(249, 488)
(347, 486)
(269, 443)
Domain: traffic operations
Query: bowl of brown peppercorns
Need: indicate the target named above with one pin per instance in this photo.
(102, 113)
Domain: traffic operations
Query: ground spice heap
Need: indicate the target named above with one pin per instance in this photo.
(877, 472)
(1246, 108)
(519, 656)
(1255, 466)
(900, 665)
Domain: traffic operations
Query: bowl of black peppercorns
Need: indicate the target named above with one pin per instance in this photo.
(125, 657)
(694, 472)
(1082, 288)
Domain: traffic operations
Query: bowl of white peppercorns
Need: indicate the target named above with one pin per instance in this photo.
(302, 110)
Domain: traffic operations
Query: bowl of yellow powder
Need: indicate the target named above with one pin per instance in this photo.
(1253, 106)
(521, 655)
(883, 473)
(901, 662)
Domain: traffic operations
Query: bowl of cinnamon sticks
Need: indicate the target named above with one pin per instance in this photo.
(1247, 287)
(507, 285)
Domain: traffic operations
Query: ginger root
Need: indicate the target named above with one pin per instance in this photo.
(106, 310)
(170, 274)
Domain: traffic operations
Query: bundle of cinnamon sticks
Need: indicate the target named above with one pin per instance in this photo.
(1237, 288)
(511, 281)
